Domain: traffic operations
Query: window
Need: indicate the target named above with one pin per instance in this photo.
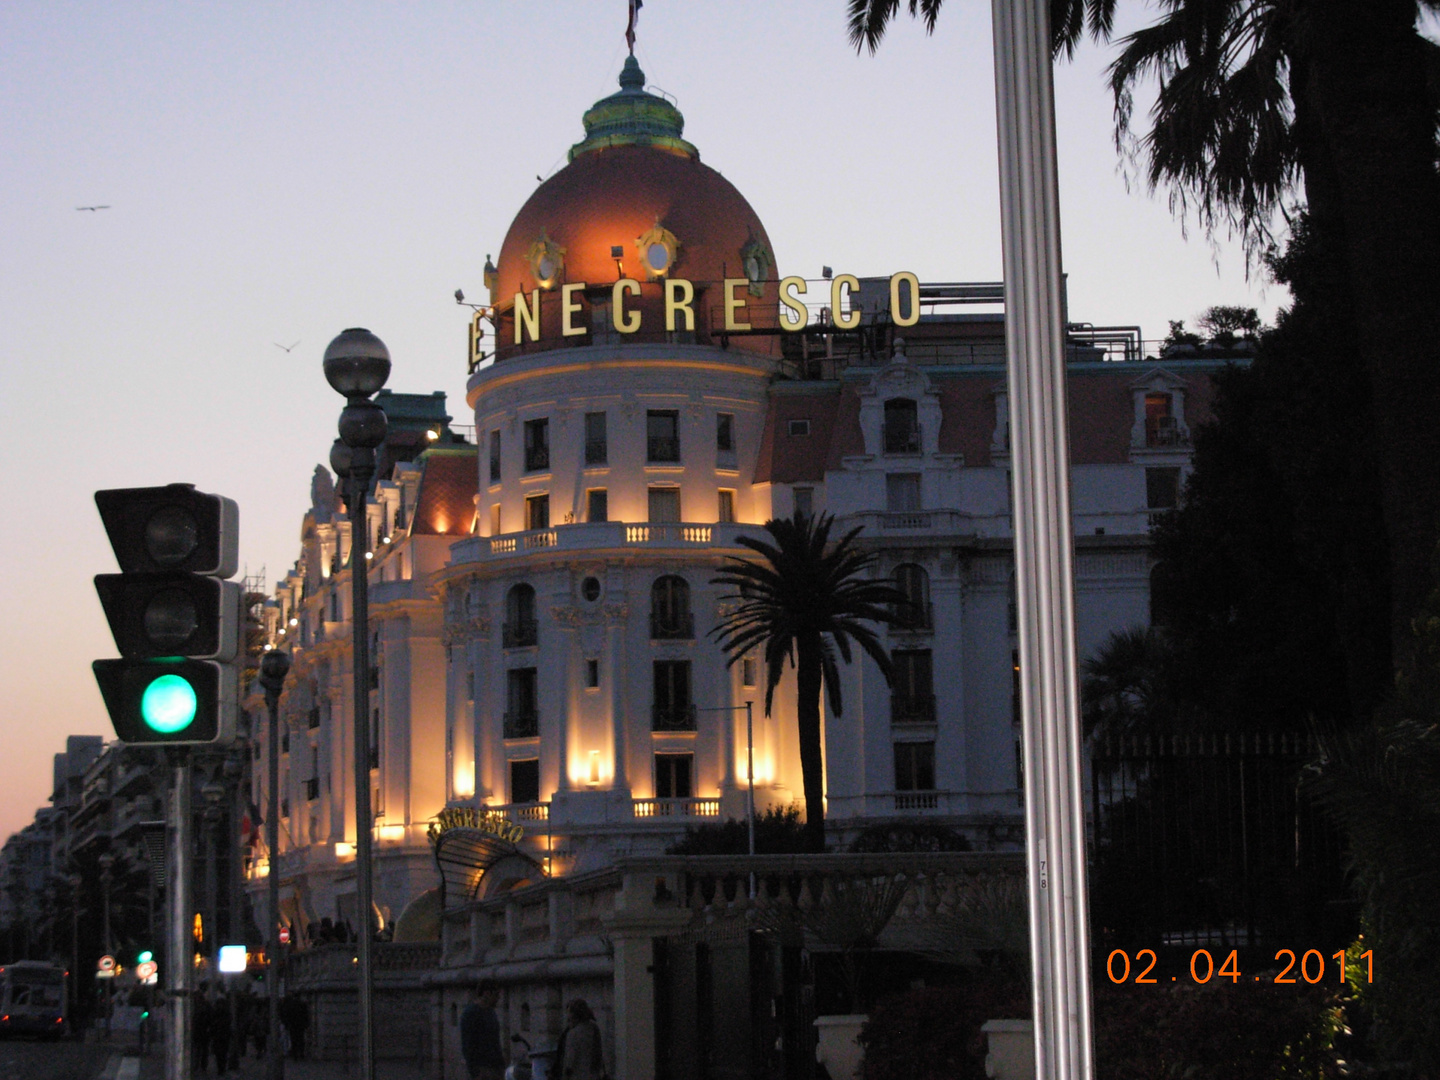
(537, 445)
(1162, 488)
(494, 519)
(805, 501)
(902, 493)
(592, 674)
(537, 512)
(662, 435)
(726, 510)
(590, 589)
(525, 780)
(597, 505)
(725, 433)
(520, 627)
(798, 427)
(494, 457)
(597, 450)
(915, 766)
(915, 612)
(670, 615)
(912, 688)
(521, 714)
(902, 427)
(672, 775)
(671, 709)
(664, 504)
(1160, 427)
(747, 672)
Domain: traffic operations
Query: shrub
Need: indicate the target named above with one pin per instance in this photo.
(934, 1033)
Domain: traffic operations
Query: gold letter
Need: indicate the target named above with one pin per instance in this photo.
(852, 283)
(734, 303)
(624, 322)
(527, 317)
(914, 316)
(802, 313)
(678, 295)
(567, 308)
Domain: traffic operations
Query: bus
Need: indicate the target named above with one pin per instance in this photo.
(32, 999)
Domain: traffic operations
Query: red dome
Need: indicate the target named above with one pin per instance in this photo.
(635, 186)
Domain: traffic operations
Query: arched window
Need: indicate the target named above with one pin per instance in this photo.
(520, 628)
(915, 612)
(670, 615)
(902, 427)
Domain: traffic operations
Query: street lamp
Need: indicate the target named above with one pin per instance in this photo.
(749, 772)
(274, 666)
(357, 365)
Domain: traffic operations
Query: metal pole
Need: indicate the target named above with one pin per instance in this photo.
(362, 465)
(273, 668)
(178, 959)
(1039, 446)
(750, 776)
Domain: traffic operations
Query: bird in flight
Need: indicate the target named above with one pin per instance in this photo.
(92, 209)
(284, 348)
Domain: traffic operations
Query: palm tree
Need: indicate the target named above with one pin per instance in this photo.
(803, 601)
(1263, 100)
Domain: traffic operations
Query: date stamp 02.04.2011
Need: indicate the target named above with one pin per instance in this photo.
(1119, 968)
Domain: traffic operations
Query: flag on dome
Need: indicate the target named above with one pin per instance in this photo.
(635, 6)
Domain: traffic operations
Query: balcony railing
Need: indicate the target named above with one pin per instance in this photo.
(912, 708)
(520, 633)
(672, 718)
(902, 439)
(597, 452)
(673, 627)
(653, 808)
(589, 535)
(909, 801)
(312, 789)
(914, 618)
(522, 725)
(662, 448)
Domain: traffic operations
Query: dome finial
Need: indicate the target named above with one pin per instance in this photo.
(631, 77)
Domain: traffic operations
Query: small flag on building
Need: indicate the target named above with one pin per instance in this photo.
(635, 6)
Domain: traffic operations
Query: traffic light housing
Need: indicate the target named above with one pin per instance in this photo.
(175, 621)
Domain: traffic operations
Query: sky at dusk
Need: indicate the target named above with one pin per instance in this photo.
(278, 172)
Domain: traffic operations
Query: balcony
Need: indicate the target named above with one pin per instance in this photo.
(662, 449)
(914, 619)
(673, 627)
(912, 708)
(520, 633)
(910, 801)
(656, 808)
(672, 718)
(1162, 431)
(522, 725)
(902, 439)
(598, 535)
(312, 789)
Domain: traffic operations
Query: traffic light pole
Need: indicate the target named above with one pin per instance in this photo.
(274, 666)
(179, 966)
(362, 468)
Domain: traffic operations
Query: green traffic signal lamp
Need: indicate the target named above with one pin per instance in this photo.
(169, 700)
(144, 957)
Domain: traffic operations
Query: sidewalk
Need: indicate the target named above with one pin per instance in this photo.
(153, 1068)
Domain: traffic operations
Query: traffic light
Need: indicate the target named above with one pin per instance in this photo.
(174, 618)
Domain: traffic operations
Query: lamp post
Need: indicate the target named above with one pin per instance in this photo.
(357, 365)
(749, 772)
(274, 666)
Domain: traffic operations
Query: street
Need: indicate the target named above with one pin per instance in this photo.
(75, 1060)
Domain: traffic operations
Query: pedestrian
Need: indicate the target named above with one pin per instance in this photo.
(220, 1031)
(200, 1035)
(295, 1015)
(480, 1035)
(579, 1054)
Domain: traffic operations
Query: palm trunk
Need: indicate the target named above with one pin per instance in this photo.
(812, 763)
(1367, 144)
